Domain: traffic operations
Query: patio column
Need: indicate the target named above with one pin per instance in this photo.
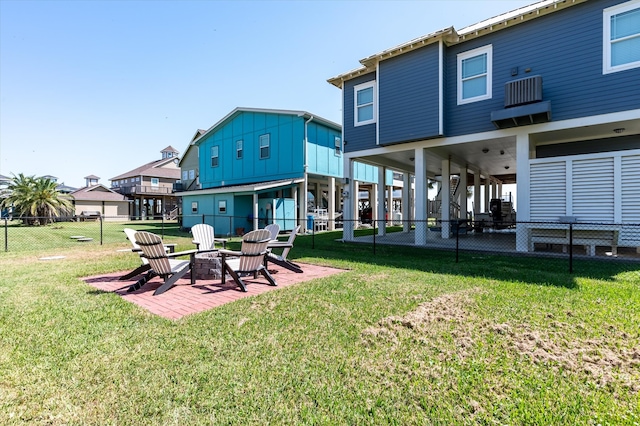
(446, 198)
(255, 211)
(349, 194)
(332, 204)
(487, 193)
(302, 206)
(294, 195)
(523, 191)
(406, 202)
(463, 193)
(476, 192)
(421, 196)
(390, 204)
(381, 224)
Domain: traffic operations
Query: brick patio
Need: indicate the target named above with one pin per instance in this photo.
(184, 299)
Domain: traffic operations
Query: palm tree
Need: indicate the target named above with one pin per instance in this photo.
(35, 197)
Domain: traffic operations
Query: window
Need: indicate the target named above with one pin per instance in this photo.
(192, 174)
(364, 104)
(265, 146)
(155, 181)
(194, 207)
(185, 175)
(621, 32)
(222, 206)
(474, 75)
(239, 150)
(337, 146)
(215, 159)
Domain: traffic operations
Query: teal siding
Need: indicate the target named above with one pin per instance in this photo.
(286, 159)
(321, 157)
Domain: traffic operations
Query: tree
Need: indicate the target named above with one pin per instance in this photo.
(35, 199)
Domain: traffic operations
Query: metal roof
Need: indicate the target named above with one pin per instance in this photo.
(246, 188)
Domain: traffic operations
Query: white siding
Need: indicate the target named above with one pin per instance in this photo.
(631, 189)
(548, 191)
(593, 189)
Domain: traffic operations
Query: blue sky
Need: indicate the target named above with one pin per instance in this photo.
(101, 87)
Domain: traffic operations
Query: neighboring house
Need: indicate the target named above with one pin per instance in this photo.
(62, 188)
(189, 166)
(95, 197)
(258, 166)
(546, 97)
(150, 186)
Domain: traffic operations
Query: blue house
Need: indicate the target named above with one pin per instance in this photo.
(259, 166)
(545, 98)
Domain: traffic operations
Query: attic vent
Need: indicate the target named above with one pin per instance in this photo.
(523, 91)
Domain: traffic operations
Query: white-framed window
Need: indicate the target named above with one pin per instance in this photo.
(337, 146)
(194, 207)
(215, 158)
(239, 151)
(222, 206)
(364, 103)
(185, 175)
(621, 37)
(265, 146)
(475, 75)
(155, 181)
(192, 174)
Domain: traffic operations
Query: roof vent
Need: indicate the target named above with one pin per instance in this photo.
(523, 91)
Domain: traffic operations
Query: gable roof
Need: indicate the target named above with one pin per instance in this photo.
(451, 36)
(153, 169)
(240, 110)
(97, 192)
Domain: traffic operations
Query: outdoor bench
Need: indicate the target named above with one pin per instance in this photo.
(589, 236)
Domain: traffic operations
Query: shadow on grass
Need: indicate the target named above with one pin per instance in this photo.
(508, 267)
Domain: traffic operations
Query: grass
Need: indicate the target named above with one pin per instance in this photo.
(405, 337)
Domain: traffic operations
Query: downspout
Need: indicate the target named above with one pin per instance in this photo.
(305, 189)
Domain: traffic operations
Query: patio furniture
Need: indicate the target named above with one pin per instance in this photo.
(130, 233)
(274, 229)
(587, 235)
(204, 238)
(281, 259)
(249, 260)
(162, 264)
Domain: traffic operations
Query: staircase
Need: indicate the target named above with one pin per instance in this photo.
(454, 207)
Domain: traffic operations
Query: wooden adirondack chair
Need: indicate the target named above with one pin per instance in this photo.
(249, 260)
(204, 238)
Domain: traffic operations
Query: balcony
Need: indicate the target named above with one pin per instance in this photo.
(144, 190)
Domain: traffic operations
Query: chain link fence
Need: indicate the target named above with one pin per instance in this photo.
(558, 239)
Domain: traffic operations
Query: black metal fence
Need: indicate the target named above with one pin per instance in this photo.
(559, 239)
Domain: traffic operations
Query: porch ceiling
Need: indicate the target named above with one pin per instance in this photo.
(495, 156)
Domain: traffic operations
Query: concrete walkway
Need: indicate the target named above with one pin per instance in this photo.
(185, 299)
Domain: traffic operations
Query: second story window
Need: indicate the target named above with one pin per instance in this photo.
(155, 181)
(215, 159)
(337, 146)
(474, 75)
(621, 37)
(239, 150)
(185, 175)
(364, 104)
(265, 146)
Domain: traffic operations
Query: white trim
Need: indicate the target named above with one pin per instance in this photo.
(484, 50)
(606, 36)
(375, 103)
(363, 86)
(440, 88)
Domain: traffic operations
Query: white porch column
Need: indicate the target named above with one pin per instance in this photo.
(382, 228)
(406, 202)
(255, 211)
(476, 193)
(302, 205)
(463, 193)
(500, 190)
(494, 189)
(390, 204)
(446, 198)
(487, 193)
(349, 194)
(294, 195)
(523, 190)
(421, 196)
(332, 204)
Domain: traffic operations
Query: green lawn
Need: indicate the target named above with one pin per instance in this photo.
(405, 337)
